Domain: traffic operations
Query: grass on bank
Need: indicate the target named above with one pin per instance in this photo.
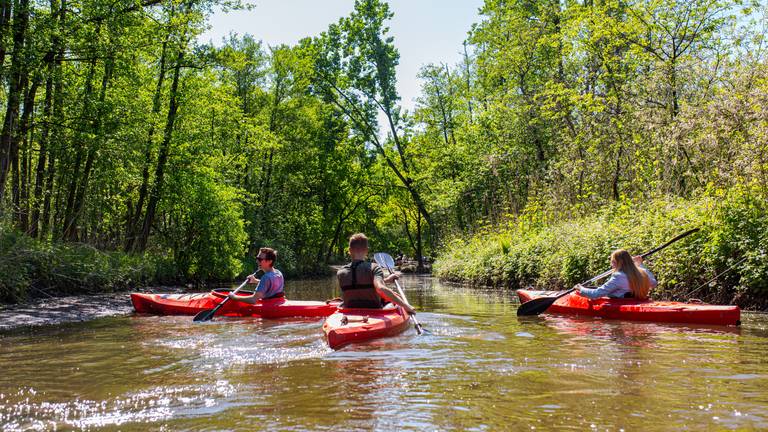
(31, 268)
(557, 254)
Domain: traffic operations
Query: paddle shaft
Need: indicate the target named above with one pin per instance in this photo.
(649, 253)
(237, 290)
(539, 305)
(206, 316)
(416, 323)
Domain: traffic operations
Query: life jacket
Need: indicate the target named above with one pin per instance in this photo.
(356, 283)
(276, 296)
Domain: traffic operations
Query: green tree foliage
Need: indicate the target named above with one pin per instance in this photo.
(579, 104)
(589, 107)
(122, 133)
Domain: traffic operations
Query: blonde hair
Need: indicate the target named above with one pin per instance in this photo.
(637, 277)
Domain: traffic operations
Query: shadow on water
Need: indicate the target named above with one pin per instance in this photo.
(63, 310)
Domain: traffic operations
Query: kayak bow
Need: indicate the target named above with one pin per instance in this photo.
(348, 326)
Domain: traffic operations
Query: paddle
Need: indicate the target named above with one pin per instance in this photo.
(207, 314)
(385, 260)
(539, 305)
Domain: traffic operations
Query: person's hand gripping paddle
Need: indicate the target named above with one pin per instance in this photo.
(385, 260)
(541, 304)
(208, 314)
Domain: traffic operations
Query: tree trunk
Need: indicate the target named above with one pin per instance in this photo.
(5, 19)
(616, 175)
(50, 58)
(98, 141)
(469, 84)
(451, 99)
(266, 183)
(70, 229)
(42, 155)
(441, 104)
(8, 143)
(162, 159)
(675, 106)
(335, 239)
(13, 158)
(419, 248)
(56, 139)
(21, 179)
(134, 217)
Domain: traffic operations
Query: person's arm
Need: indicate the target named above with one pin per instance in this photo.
(258, 293)
(604, 290)
(251, 299)
(392, 296)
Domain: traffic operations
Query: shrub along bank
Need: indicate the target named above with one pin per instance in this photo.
(535, 251)
(31, 268)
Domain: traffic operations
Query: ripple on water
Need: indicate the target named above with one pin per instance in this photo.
(246, 342)
(146, 406)
(481, 368)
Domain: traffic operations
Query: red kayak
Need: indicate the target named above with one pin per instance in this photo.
(192, 304)
(348, 326)
(638, 310)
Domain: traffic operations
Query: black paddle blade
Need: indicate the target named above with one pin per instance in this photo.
(535, 306)
(205, 315)
(422, 331)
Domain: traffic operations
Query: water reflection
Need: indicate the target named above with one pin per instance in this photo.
(482, 368)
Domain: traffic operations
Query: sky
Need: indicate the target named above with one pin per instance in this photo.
(425, 31)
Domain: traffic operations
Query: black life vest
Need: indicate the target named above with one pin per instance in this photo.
(356, 283)
(275, 296)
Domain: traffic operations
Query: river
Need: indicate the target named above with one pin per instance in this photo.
(481, 368)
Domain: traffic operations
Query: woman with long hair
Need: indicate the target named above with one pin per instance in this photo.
(630, 278)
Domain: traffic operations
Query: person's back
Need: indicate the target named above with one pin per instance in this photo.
(363, 284)
(630, 278)
(356, 281)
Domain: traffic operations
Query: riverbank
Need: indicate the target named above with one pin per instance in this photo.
(539, 251)
(33, 270)
(61, 310)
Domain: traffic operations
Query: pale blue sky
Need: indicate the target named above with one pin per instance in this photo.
(425, 31)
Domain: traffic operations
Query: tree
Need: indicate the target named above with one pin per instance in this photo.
(355, 64)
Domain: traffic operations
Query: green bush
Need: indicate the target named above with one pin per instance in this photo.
(207, 233)
(32, 268)
(558, 254)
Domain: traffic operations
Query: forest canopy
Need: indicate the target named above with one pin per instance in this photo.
(125, 134)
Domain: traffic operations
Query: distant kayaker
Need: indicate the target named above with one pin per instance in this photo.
(271, 283)
(362, 283)
(630, 278)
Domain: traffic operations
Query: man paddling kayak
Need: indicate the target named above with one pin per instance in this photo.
(630, 278)
(362, 283)
(270, 285)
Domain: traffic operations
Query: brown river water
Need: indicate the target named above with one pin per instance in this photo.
(481, 368)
